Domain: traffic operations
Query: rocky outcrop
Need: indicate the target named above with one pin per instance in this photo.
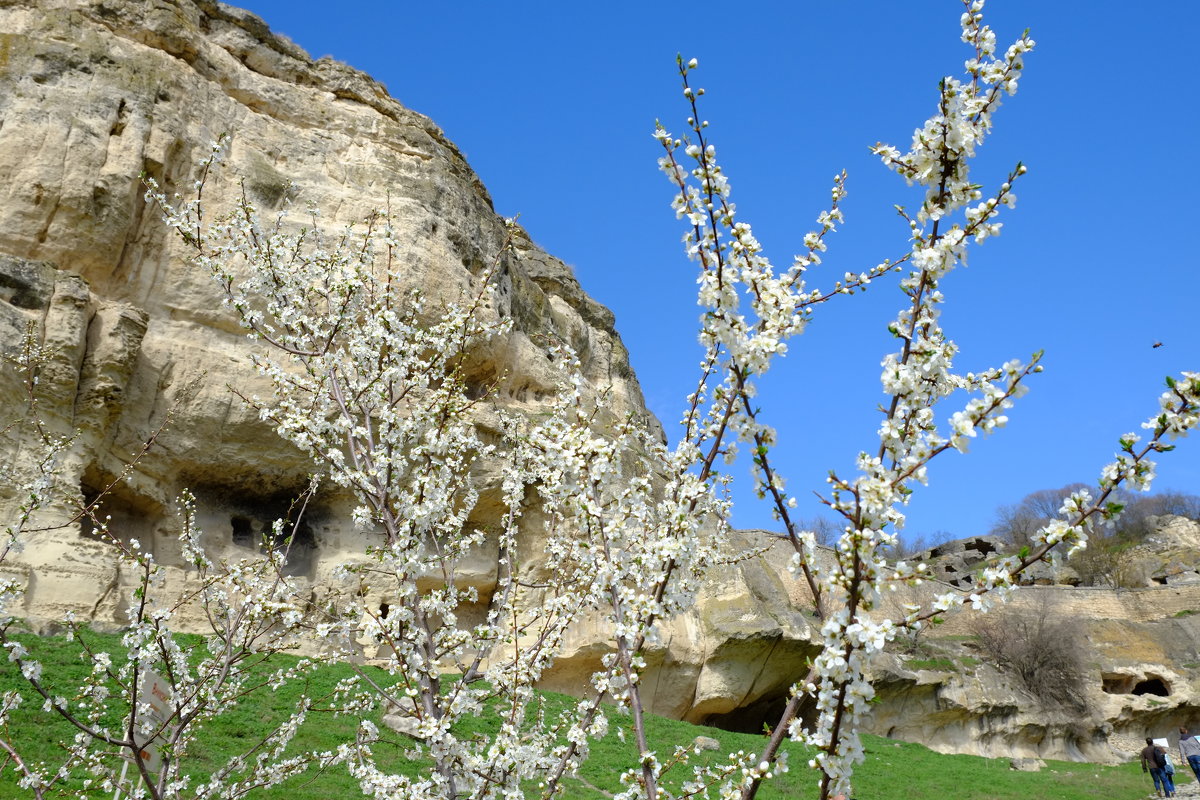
(1170, 556)
(1140, 676)
(957, 562)
(94, 93)
(730, 659)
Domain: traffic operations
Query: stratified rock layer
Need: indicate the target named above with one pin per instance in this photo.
(1140, 664)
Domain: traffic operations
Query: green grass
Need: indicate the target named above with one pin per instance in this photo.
(1187, 612)
(933, 664)
(892, 770)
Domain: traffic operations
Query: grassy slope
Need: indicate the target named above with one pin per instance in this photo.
(892, 770)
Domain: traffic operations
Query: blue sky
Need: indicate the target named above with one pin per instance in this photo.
(554, 104)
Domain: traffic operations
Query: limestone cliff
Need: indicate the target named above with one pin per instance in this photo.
(1140, 663)
(95, 92)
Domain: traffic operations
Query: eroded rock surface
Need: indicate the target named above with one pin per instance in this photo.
(1140, 677)
(95, 93)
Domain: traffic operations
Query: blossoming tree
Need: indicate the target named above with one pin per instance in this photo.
(369, 380)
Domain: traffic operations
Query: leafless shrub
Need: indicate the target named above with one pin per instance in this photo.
(825, 529)
(1044, 654)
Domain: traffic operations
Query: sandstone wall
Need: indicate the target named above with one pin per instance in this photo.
(95, 92)
(1088, 603)
(1141, 677)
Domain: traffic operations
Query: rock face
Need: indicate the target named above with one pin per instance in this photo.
(92, 94)
(1168, 557)
(95, 92)
(730, 659)
(1140, 670)
(957, 562)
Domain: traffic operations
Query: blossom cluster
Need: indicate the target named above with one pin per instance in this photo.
(369, 379)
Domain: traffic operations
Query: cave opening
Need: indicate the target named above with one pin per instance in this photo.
(127, 514)
(1116, 684)
(243, 531)
(294, 540)
(299, 545)
(984, 547)
(1154, 685)
(760, 716)
(264, 522)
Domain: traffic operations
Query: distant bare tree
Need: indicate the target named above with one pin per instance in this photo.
(1179, 504)
(1105, 562)
(824, 529)
(1019, 522)
(1139, 521)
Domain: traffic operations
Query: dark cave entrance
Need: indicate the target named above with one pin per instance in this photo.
(1117, 683)
(761, 716)
(279, 521)
(1152, 685)
(296, 540)
(127, 514)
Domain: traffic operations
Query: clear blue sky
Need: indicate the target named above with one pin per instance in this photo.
(554, 102)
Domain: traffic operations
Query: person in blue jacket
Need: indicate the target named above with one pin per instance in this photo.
(1189, 751)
